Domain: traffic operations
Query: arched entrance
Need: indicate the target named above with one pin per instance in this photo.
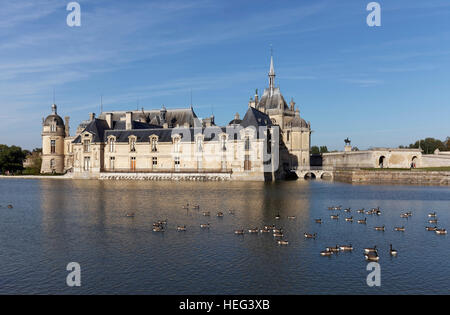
(326, 176)
(382, 162)
(414, 162)
(310, 176)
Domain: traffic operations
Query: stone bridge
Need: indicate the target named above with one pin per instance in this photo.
(314, 173)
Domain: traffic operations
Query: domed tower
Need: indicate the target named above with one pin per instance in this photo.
(53, 134)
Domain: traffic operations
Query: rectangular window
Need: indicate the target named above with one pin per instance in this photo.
(247, 144)
(247, 163)
(111, 145)
(87, 146)
(112, 162)
(87, 164)
(177, 162)
(154, 147)
(199, 145)
(132, 145)
(223, 143)
(133, 164)
(154, 161)
(53, 146)
(288, 135)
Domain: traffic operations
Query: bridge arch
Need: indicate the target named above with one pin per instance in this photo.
(310, 176)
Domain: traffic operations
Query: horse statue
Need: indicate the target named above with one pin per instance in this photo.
(347, 141)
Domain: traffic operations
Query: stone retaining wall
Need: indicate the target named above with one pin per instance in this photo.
(165, 176)
(393, 177)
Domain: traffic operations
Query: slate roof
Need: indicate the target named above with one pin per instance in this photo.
(273, 101)
(51, 118)
(101, 131)
(255, 118)
(97, 128)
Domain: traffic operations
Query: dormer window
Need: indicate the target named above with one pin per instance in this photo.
(154, 144)
(53, 127)
(132, 144)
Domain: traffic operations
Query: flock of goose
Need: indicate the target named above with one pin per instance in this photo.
(371, 253)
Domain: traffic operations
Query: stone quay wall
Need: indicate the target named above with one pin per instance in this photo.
(166, 176)
(413, 177)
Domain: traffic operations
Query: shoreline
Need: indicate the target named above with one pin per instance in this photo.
(34, 177)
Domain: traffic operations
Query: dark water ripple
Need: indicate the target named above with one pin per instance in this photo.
(57, 222)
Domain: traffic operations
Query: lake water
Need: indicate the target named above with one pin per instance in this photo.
(55, 222)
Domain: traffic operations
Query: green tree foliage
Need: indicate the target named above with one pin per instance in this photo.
(315, 150)
(35, 160)
(429, 145)
(11, 158)
(323, 149)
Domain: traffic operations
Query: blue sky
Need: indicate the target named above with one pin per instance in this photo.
(381, 86)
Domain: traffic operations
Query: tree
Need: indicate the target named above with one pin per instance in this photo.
(323, 149)
(11, 158)
(429, 145)
(447, 144)
(315, 150)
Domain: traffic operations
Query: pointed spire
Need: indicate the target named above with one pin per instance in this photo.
(271, 73)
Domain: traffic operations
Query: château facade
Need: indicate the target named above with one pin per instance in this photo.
(266, 144)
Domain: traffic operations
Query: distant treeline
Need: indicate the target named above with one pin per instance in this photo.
(429, 145)
(13, 157)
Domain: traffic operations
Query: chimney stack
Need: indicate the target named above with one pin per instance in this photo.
(109, 120)
(67, 126)
(91, 116)
(128, 120)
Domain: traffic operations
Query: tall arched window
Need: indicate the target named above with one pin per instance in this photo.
(176, 144)
(52, 146)
(199, 144)
(247, 143)
(112, 145)
(223, 142)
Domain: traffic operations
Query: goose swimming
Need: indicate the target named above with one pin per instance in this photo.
(372, 256)
(392, 252)
(310, 235)
(346, 248)
(370, 249)
(326, 253)
(441, 231)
